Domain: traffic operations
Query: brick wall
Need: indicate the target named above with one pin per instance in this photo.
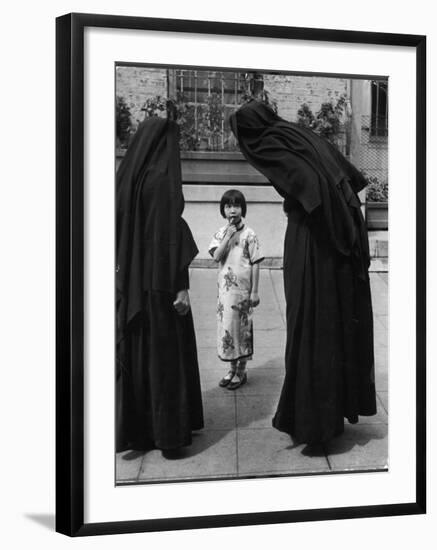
(137, 84)
(291, 91)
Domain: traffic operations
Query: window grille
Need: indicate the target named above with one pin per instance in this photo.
(379, 105)
(209, 98)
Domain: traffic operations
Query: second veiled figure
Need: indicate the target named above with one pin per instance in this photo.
(329, 357)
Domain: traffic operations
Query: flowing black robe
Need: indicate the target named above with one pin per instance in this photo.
(329, 356)
(158, 388)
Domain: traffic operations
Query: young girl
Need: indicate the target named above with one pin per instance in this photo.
(236, 248)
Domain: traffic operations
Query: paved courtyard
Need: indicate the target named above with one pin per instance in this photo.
(238, 439)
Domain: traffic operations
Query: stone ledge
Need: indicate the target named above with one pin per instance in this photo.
(209, 263)
(376, 264)
(213, 194)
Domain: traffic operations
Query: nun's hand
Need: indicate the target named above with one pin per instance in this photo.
(182, 302)
(254, 299)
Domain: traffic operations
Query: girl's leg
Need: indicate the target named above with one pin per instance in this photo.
(229, 376)
(241, 368)
(234, 367)
(240, 377)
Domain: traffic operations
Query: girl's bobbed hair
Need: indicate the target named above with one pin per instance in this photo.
(234, 197)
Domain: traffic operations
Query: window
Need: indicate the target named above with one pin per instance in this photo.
(379, 106)
(206, 99)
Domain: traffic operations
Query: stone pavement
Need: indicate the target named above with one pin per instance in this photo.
(238, 439)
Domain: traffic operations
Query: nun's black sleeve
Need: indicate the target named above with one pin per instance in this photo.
(187, 251)
(183, 280)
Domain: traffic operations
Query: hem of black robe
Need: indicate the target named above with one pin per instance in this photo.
(157, 445)
(352, 419)
(132, 446)
(368, 413)
(305, 440)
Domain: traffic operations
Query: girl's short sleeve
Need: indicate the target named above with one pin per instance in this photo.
(215, 241)
(255, 252)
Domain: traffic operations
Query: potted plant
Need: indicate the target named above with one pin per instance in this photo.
(376, 203)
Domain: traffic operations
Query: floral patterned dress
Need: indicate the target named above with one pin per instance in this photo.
(234, 313)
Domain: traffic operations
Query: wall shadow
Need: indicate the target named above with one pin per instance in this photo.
(46, 520)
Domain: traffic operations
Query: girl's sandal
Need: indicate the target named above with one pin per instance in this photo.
(226, 380)
(242, 379)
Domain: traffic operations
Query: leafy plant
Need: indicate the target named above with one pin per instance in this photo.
(376, 190)
(123, 121)
(327, 121)
(212, 120)
(181, 111)
(154, 106)
(305, 116)
(186, 118)
(198, 123)
(328, 118)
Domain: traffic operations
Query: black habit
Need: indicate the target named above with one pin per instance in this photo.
(329, 357)
(158, 388)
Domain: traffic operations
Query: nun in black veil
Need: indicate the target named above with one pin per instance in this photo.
(329, 357)
(158, 396)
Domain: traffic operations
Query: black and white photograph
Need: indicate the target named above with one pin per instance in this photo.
(252, 273)
(218, 275)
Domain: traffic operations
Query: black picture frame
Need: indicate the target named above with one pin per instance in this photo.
(70, 273)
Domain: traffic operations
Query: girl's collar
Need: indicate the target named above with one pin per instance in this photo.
(240, 225)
